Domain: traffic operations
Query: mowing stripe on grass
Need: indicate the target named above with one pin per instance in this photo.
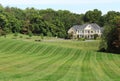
(37, 62)
(5, 46)
(49, 69)
(111, 69)
(96, 68)
(43, 66)
(101, 61)
(30, 61)
(62, 70)
(73, 74)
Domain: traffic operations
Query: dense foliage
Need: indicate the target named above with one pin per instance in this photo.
(111, 36)
(47, 22)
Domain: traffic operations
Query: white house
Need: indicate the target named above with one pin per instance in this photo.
(85, 31)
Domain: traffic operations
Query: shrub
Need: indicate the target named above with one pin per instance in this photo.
(15, 34)
(103, 46)
(3, 33)
(28, 37)
(30, 34)
(21, 36)
(96, 36)
(42, 37)
(81, 39)
(38, 40)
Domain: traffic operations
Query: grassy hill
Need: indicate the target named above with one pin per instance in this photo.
(61, 60)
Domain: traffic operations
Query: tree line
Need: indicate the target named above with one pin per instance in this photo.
(48, 22)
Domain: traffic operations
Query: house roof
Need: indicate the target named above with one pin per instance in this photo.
(82, 27)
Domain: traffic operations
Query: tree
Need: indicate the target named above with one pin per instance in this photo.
(111, 37)
(108, 18)
(3, 21)
(1, 8)
(92, 16)
(49, 22)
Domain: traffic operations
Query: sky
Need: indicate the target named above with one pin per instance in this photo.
(75, 6)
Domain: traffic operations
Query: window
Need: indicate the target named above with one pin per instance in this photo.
(91, 31)
(83, 31)
(95, 31)
(98, 31)
(88, 31)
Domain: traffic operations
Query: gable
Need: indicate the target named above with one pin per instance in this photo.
(71, 30)
(88, 27)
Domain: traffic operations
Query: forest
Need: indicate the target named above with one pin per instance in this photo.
(49, 22)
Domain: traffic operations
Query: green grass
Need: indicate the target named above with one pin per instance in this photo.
(61, 60)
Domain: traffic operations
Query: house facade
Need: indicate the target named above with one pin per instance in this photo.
(85, 31)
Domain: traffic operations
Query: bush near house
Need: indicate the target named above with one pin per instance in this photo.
(96, 36)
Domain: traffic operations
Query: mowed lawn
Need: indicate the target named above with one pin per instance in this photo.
(62, 60)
